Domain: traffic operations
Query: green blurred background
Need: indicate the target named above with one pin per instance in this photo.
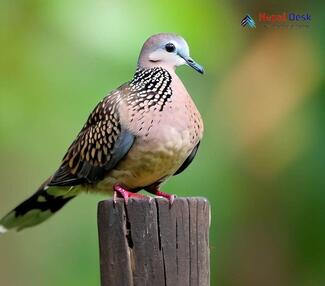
(261, 163)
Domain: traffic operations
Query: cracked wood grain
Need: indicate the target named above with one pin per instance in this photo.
(150, 243)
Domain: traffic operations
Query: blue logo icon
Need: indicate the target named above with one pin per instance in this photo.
(248, 21)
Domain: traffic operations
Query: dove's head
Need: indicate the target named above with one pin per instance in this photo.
(168, 51)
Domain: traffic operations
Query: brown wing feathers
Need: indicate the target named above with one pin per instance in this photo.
(99, 146)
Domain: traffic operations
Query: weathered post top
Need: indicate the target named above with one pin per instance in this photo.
(150, 243)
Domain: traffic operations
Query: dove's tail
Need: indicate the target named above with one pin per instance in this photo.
(39, 207)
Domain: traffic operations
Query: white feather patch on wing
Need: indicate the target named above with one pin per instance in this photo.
(3, 229)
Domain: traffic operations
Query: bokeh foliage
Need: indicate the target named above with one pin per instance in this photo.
(261, 163)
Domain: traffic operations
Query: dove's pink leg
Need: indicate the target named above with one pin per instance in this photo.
(122, 192)
(156, 191)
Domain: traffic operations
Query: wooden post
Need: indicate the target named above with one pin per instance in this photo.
(151, 243)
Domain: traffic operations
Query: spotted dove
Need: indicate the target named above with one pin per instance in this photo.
(138, 136)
